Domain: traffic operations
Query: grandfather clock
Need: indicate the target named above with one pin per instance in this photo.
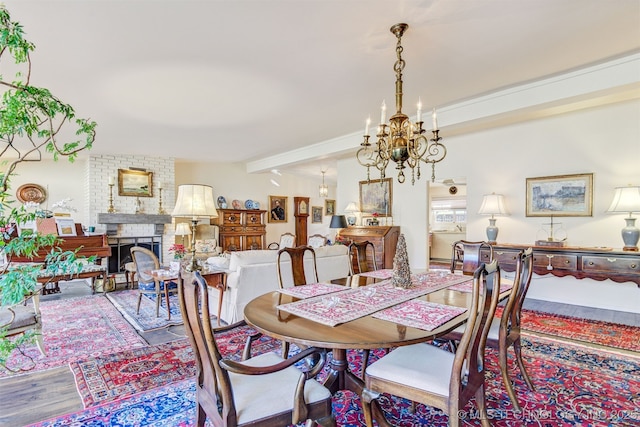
(301, 212)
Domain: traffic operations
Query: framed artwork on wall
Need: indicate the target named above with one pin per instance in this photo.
(561, 195)
(376, 196)
(133, 182)
(277, 209)
(329, 207)
(66, 226)
(316, 214)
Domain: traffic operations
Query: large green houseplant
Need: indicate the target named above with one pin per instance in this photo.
(31, 119)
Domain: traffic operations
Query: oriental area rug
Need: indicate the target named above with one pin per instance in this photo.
(575, 385)
(75, 329)
(607, 334)
(108, 377)
(127, 301)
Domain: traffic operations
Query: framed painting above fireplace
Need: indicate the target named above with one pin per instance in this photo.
(133, 182)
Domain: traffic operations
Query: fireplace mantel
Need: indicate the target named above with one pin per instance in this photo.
(112, 220)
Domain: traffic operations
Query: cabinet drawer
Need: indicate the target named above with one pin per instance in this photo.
(253, 219)
(562, 262)
(231, 218)
(231, 229)
(504, 258)
(611, 264)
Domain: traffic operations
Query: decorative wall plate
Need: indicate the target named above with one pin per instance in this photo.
(237, 204)
(248, 204)
(31, 193)
(222, 202)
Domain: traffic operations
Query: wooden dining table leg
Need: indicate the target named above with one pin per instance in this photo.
(340, 378)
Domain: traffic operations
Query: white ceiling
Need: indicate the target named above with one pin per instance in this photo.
(241, 80)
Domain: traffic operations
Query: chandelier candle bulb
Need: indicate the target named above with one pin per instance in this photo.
(419, 113)
(366, 126)
(383, 113)
(434, 118)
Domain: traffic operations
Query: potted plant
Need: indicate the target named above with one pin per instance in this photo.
(32, 117)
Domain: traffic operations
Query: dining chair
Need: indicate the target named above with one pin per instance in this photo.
(436, 377)
(299, 276)
(23, 317)
(317, 240)
(265, 390)
(360, 251)
(146, 261)
(467, 256)
(505, 331)
(287, 240)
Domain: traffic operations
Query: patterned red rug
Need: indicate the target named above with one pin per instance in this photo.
(108, 377)
(74, 329)
(575, 386)
(589, 331)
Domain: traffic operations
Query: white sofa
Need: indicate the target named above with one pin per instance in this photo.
(253, 273)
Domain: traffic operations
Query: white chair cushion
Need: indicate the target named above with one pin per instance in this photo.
(258, 396)
(421, 366)
(207, 245)
(219, 262)
(252, 257)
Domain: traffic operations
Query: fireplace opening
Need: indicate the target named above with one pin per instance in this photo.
(121, 250)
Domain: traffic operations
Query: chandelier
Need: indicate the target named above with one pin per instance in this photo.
(323, 190)
(400, 140)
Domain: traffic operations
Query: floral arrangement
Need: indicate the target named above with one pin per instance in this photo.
(178, 251)
(64, 205)
(376, 214)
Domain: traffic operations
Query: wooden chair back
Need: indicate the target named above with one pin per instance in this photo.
(467, 255)
(296, 255)
(145, 261)
(508, 333)
(360, 252)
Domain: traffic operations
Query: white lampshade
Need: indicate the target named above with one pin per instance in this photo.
(626, 199)
(351, 208)
(183, 229)
(195, 201)
(493, 204)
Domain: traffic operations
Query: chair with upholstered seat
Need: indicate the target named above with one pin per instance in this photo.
(317, 240)
(505, 331)
(146, 261)
(287, 240)
(436, 377)
(466, 256)
(23, 317)
(365, 256)
(265, 390)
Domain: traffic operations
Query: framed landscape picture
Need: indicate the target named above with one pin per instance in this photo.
(135, 183)
(277, 209)
(561, 195)
(316, 214)
(329, 207)
(376, 196)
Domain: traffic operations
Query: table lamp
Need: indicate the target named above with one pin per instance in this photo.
(182, 229)
(627, 199)
(351, 209)
(194, 201)
(493, 204)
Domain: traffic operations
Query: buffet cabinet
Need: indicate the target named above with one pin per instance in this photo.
(580, 262)
(384, 239)
(241, 230)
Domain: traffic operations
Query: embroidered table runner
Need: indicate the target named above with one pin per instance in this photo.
(312, 290)
(420, 314)
(379, 274)
(466, 286)
(352, 304)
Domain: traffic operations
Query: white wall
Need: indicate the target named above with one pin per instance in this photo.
(231, 181)
(604, 141)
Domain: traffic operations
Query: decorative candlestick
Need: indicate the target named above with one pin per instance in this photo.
(111, 208)
(160, 209)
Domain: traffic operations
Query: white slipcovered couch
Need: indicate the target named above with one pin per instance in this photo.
(253, 273)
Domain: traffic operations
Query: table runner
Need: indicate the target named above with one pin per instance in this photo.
(341, 307)
(379, 274)
(420, 314)
(312, 290)
(467, 286)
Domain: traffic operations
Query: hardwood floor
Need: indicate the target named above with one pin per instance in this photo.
(30, 398)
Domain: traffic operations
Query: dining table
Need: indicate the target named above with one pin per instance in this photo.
(357, 313)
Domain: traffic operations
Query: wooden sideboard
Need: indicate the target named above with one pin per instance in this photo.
(579, 262)
(384, 239)
(240, 229)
